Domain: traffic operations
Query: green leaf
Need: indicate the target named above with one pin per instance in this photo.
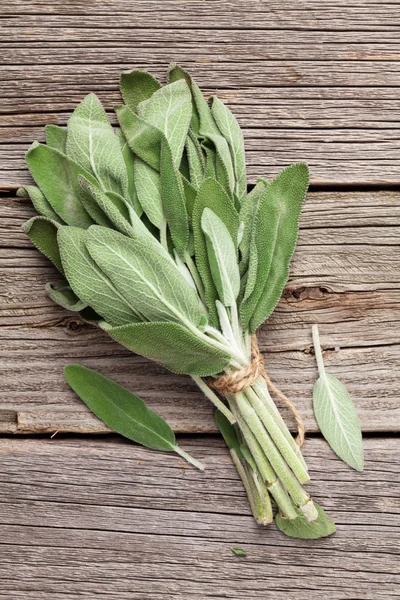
(336, 414)
(124, 412)
(211, 195)
(196, 160)
(222, 257)
(92, 143)
(248, 210)
(88, 282)
(143, 139)
(56, 137)
(88, 197)
(239, 552)
(232, 132)
(43, 234)
(148, 189)
(145, 275)
(62, 295)
(305, 530)
(172, 346)
(175, 72)
(57, 177)
(137, 86)
(275, 235)
(129, 159)
(42, 206)
(170, 110)
(173, 200)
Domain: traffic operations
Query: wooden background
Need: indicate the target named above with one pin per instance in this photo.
(97, 517)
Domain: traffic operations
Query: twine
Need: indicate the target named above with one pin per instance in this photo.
(237, 381)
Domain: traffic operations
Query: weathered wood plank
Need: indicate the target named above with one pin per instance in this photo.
(329, 69)
(345, 276)
(108, 519)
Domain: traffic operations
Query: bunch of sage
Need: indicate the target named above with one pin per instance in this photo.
(161, 246)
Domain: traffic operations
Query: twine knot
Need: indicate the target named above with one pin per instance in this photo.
(235, 382)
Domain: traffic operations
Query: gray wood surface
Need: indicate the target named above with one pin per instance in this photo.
(107, 519)
(345, 277)
(314, 81)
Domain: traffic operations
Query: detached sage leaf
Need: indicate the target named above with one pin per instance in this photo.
(92, 143)
(57, 177)
(303, 529)
(172, 346)
(123, 411)
(137, 86)
(238, 552)
(336, 415)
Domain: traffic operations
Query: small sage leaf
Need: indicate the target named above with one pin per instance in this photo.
(336, 414)
(56, 137)
(239, 552)
(62, 295)
(229, 434)
(137, 86)
(148, 188)
(305, 530)
(143, 139)
(43, 234)
(42, 206)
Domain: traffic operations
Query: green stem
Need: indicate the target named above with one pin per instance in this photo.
(207, 391)
(277, 435)
(188, 458)
(254, 500)
(318, 351)
(264, 507)
(196, 277)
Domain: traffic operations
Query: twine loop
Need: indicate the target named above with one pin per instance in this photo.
(235, 382)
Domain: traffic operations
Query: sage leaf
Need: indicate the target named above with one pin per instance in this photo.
(56, 137)
(175, 72)
(248, 210)
(196, 160)
(336, 414)
(43, 234)
(148, 189)
(92, 143)
(88, 282)
(129, 159)
(211, 195)
(143, 139)
(57, 177)
(229, 433)
(222, 257)
(145, 275)
(62, 294)
(305, 530)
(88, 197)
(232, 132)
(42, 206)
(170, 110)
(173, 200)
(137, 86)
(238, 552)
(171, 345)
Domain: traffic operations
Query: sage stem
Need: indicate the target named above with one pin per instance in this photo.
(190, 459)
(207, 391)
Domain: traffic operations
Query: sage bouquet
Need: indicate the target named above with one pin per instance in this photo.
(161, 246)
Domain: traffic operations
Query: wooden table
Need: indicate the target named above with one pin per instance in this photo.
(86, 516)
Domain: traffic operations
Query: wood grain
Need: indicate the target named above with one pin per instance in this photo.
(308, 81)
(108, 519)
(345, 277)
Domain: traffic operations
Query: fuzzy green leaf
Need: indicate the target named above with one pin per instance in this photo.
(239, 552)
(57, 177)
(232, 132)
(92, 143)
(173, 200)
(145, 275)
(222, 257)
(143, 139)
(148, 189)
(42, 206)
(88, 282)
(56, 137)
(43, 234)
(336, 414)
(88, 197)
(305, 530)
(172, 346)
(137, 86)
(124, 412)
(62, 295)
(248, 210)
(129, 159)
(229, 434)
(196, 160)
(170, 110)
(175, 72)
(211, 195)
